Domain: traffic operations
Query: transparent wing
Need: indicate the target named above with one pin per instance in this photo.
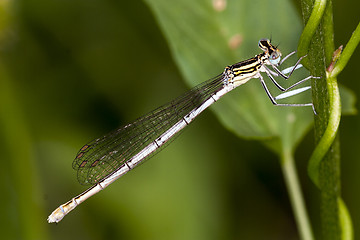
(104, 155)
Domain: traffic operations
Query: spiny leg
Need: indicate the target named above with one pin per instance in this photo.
(286, 57)
(292, 93)
(273, 100)
(292, 86)
(283, 73)
(280, 73)
(289, 69)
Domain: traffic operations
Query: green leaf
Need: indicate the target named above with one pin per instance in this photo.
(205, 36)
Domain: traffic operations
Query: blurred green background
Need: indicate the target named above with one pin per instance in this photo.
(72, 70)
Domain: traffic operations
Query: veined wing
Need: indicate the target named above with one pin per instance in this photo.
(104, 155)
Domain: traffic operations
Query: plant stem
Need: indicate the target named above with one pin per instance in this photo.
(296, 197)
(347, 53)
(327, 105)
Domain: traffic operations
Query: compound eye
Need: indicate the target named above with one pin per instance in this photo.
(274, 58)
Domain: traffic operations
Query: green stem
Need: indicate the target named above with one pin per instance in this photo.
(324, 165)
(345, 221)
(296, 197)
(347, 53)
(311, 26)
(330, 133)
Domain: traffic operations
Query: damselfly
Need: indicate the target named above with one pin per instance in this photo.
(105, 159)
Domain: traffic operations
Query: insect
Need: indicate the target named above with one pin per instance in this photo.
(106, 159)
